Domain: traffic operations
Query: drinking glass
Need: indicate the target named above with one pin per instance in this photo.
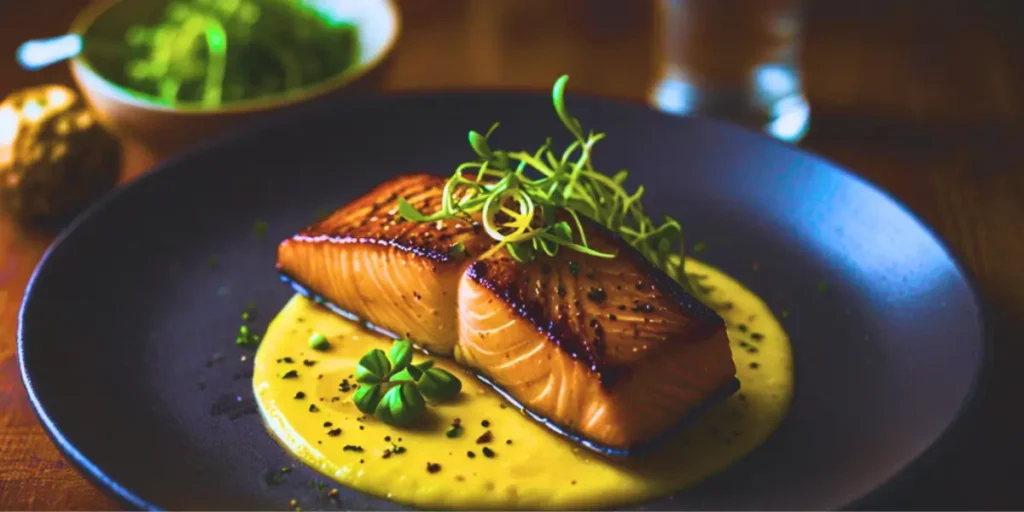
(736, 60)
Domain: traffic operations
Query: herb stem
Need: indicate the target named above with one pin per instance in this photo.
(519, 194)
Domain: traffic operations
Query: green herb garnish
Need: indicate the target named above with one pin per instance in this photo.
(208, 53)
(454, 431)
(259, 228)
(245, 336)
(397, 391)
(458, 249)
(532, 202)
(401, 405)
(319, 342)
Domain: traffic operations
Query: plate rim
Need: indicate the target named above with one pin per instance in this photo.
(969, 408)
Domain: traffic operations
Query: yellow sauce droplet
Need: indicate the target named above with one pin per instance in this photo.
(539, 469)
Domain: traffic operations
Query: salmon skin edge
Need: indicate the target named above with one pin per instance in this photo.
(716, 397)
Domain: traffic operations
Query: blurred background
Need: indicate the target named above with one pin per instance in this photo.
(950, 62)
(923, 97)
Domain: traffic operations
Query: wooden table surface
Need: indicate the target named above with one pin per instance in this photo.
(923, 98)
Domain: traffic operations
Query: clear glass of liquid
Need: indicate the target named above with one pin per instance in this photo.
(736, 60)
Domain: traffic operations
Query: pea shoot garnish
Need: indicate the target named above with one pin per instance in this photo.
(246, 336)
(397, 391)
(532, 202)
(319, 342)
(259, 228)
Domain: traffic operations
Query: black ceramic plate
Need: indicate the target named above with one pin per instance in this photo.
(125, 312)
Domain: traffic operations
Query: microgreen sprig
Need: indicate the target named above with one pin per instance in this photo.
(532, 202)
(395, 390)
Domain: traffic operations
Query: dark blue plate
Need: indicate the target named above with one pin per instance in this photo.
(127, 329)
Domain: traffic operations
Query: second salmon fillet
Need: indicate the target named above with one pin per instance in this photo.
(609, 349)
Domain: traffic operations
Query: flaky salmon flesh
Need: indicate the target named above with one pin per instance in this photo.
(610, 350)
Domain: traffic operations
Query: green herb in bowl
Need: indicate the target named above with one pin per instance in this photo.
(169, 74)
(211, 53)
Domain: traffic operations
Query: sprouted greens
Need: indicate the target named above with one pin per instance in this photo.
(531, 202)
(212, 52)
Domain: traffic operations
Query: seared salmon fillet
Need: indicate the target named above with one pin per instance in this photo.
(610, 350)
(400, 276)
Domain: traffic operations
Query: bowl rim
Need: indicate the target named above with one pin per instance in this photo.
(87, 77)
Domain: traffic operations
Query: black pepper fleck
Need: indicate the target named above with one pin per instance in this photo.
(485, 423)
(754, 365)
(489, 453)
(644, 308)
(433, 467)
(313, 408)
(597, 295)
(334, 432)
(470, 454)
(300, 395)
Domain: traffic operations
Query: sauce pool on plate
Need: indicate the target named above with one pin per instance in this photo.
(501, 458)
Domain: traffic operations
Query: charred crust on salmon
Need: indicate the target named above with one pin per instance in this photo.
(519, 290)
(374, 219)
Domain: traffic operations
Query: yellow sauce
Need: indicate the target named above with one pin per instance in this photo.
(539, 469)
